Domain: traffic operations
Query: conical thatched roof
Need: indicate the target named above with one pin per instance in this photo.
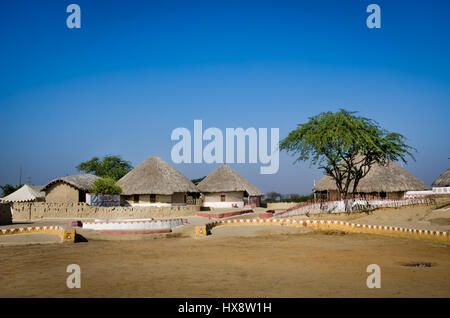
(390, 178)
(82, 182)
(443, 180)
(225, 179)
(24, 194)
(155, 176)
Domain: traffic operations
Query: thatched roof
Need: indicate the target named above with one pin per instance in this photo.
(225, 179)
(83, 182)
(24, 194)
(155, 176)
(443, 180)
(390, 178)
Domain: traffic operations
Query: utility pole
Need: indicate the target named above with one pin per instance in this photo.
(20, 175)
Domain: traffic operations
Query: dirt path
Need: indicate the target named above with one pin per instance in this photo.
(256, 262)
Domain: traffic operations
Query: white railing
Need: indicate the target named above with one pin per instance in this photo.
(353, 205)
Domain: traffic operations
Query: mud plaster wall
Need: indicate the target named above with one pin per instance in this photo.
(82, 210)
(61, 193)
(229, 196)
(281, 205)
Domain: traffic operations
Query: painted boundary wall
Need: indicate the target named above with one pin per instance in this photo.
(82, 210)
(356, 205)
(67, 236)
(93, 199)
(333, 225)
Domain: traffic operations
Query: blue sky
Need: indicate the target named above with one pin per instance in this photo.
(136, 70)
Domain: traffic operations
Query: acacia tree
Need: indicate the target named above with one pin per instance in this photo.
(105, 186)
(110, 166)
(8, 189)
(345, 146)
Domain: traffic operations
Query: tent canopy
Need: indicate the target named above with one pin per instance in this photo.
(25, 194)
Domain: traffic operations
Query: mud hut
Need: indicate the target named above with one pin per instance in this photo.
(225, 188)
(390, 181)
(156, 183)
(442, 184)
(69, 189)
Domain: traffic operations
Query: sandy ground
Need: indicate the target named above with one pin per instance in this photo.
(241, 261)
(32, 238)
(260, 262)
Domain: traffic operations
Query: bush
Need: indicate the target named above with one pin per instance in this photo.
(290, 198)
(106, 186)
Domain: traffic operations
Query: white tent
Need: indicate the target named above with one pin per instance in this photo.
(25, 194)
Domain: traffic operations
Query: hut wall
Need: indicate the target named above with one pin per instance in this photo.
(160, 200)
(61, 193)
(179, 198)
(334, 195)
(254, 201)
(232, 199)
(441, 190)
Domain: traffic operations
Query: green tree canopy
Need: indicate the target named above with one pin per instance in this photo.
(106, 186)
(345, 146)
(273, 196)
(197, 181)
(110, 166)
(7, 189)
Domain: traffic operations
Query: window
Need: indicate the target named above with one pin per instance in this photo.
(223, 197)
(153, 198)
(136, 198)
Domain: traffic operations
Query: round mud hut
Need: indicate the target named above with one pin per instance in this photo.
(69, 189)
(391, 181)
(225, 188)
(156, 183)
(442, 184)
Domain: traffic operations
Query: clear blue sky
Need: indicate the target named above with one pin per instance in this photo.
(138, 69)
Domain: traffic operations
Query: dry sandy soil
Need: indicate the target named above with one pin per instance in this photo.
(241, 261)
(261, 263)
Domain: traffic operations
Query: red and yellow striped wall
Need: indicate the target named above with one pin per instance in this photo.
(66, 235)
(441, 236)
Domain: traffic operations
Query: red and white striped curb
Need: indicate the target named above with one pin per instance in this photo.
(134, 225)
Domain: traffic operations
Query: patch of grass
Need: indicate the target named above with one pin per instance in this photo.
(333, 232)
(419, 264)
(175, 235)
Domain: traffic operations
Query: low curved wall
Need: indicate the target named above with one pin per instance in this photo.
(220, 215)
(134, 225)
(334, 225)
(66, 235)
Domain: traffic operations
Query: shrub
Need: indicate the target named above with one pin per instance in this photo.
(106, 186)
